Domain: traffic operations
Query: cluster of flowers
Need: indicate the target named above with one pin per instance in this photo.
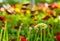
(25, 9)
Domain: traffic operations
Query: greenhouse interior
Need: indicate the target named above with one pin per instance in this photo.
(29, 20)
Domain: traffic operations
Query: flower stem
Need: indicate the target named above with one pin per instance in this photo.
(1, 34)
(41, 36)
(44, 35)
(18, 33)
(5, 32)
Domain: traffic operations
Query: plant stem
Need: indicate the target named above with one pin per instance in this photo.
(29, 35)
(5, 32)
(1, 34)
(44, 35)
(41, 36)
(18, 33)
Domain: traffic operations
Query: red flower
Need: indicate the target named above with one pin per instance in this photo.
(2, 18)
(16, 27)
(58, 38)
(22, 38)
(46, 17)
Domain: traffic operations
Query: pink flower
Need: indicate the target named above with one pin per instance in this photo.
(54, 5)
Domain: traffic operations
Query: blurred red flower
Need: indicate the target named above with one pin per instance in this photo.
(46, 17)
(22, 38)
(2, 18)
(58, 37)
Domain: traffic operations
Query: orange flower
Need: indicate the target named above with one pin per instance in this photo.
(48, 11)
(52, 12)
